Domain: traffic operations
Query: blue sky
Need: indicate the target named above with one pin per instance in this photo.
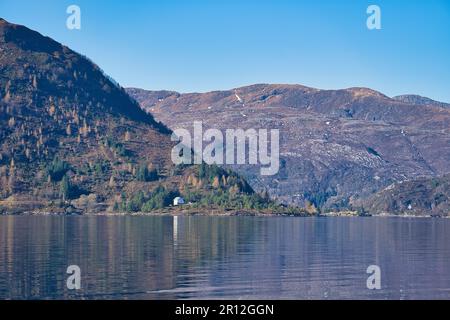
(220, 44)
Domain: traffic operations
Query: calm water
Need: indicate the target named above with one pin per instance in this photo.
(224, 257)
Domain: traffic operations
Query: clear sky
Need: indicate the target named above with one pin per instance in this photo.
(220, 44)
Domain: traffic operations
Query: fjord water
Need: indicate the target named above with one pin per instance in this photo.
(224, 257)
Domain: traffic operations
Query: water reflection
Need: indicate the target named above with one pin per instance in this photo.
(223, 257)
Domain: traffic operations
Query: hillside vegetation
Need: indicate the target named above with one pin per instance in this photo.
(73, 141)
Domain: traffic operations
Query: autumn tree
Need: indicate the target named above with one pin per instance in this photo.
(11, 183)
(112, 183)
(85, 129)
(310, 207)
(7, 96)
(12, 177)
(224, 181)
(216, 182)
(34, 82)
(234, 190)
(52, 110)
(194, 181)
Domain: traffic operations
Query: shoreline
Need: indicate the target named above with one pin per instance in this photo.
(167, 213)
(215, 213)
(30, 209)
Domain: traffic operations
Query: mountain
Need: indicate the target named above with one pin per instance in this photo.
(337, 147)
(419, 100)
(72, 140)
(430, 195)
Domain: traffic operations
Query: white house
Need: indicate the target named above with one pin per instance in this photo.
(178, 201)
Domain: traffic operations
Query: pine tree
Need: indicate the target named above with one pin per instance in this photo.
(265, 195)
(64, 189)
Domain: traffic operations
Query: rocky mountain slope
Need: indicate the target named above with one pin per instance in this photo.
(414, 197)
(72, 140)
(338, 147)
(424, 101)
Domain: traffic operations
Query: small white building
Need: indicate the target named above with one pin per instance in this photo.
(178, 201)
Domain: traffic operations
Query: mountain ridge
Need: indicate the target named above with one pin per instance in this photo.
(407, 98)
(420, 100)
(337, 146)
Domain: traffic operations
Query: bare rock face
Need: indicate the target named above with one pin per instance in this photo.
(337, 147)
(424, 101)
